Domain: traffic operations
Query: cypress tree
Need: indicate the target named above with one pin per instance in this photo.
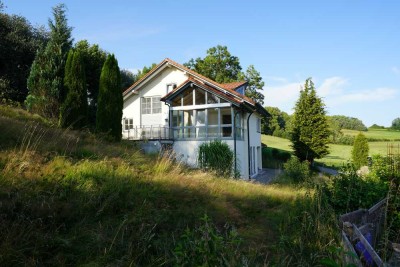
(359, 153)
(110, 101)
(45, 82)
(75, 107)
(310, 129)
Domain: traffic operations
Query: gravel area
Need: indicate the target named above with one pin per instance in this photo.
(265, 176)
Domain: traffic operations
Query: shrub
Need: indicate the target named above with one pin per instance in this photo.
(216, 156)
(274, 158)
(295, 170)
(348, 192)
(359, 154)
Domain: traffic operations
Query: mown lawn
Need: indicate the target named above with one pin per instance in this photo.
(339, 154)
(376, 134)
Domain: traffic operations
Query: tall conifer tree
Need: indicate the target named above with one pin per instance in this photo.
(110, 101)
(45, 81)
(74, 110)
(310, 129)
(359, 153)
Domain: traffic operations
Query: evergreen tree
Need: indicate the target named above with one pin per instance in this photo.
(359, 153)
(310, 129)
(94, 58)
(109, 104)
(45, 82)
(75, 107)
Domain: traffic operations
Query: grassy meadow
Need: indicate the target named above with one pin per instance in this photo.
(340, 154)
(70, 198)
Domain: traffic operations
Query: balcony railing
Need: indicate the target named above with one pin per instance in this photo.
(158, 132)
(152, 132)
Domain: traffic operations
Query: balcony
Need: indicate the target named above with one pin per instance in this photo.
(152, 132)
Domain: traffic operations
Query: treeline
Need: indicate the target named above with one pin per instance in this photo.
(350, 123)
(44, 71)
(280, 123)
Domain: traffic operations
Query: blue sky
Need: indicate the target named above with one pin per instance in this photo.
(351, 48)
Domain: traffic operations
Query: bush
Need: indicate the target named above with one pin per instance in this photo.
(359, 153)
(274, 158)
(348, 192)
(295, 170)
(216, 156)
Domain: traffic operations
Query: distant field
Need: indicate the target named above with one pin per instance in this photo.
(383, 134)
(339, 154)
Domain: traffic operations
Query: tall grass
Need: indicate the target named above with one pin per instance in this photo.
(68, 198)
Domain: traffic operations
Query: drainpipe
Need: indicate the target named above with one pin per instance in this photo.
(248, 140)
(169, 119)
(234, 140)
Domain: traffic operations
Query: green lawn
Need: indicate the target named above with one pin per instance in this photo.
(339, 154)
(376, 134)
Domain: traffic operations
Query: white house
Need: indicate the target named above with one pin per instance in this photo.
(177, 106)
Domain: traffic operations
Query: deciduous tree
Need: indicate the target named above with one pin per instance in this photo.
(396, 124)
(255, 84)
(109, 104)
(218, 65)
(19, 41)
(310, 129)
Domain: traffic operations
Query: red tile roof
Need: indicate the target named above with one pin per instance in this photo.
(233, 85)
(228, 86)
(204, 86)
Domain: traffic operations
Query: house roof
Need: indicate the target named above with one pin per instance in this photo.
(233, 85)
(204, 86)
(226, 90)
(230, 87)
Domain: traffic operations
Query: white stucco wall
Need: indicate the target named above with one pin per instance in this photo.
(187, 151)
(155, 87)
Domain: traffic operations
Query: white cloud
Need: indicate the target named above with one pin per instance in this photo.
(283, 96)
(333, 90)
(276, 79)
(378, 94)
(396, 70)
(332, 86)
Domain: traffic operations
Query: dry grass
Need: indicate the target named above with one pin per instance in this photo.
(68, 198)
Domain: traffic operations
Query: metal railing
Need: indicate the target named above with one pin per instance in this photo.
(152, 132)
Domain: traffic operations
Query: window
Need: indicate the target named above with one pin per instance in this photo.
(151, 105)
(205, 123)
(128, 124)
(200, 97)
(258, 125)
(239, 126)
(226, 122)
(156, 105)
(170, 87)
(188, 97)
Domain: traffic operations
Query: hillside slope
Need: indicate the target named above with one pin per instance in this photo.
(69, 198)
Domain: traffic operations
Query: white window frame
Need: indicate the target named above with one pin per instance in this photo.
(149, 107)
(128, 124)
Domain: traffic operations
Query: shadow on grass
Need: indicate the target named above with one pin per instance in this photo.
(110, 213)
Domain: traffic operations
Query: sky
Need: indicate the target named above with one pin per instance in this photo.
(350, 48)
